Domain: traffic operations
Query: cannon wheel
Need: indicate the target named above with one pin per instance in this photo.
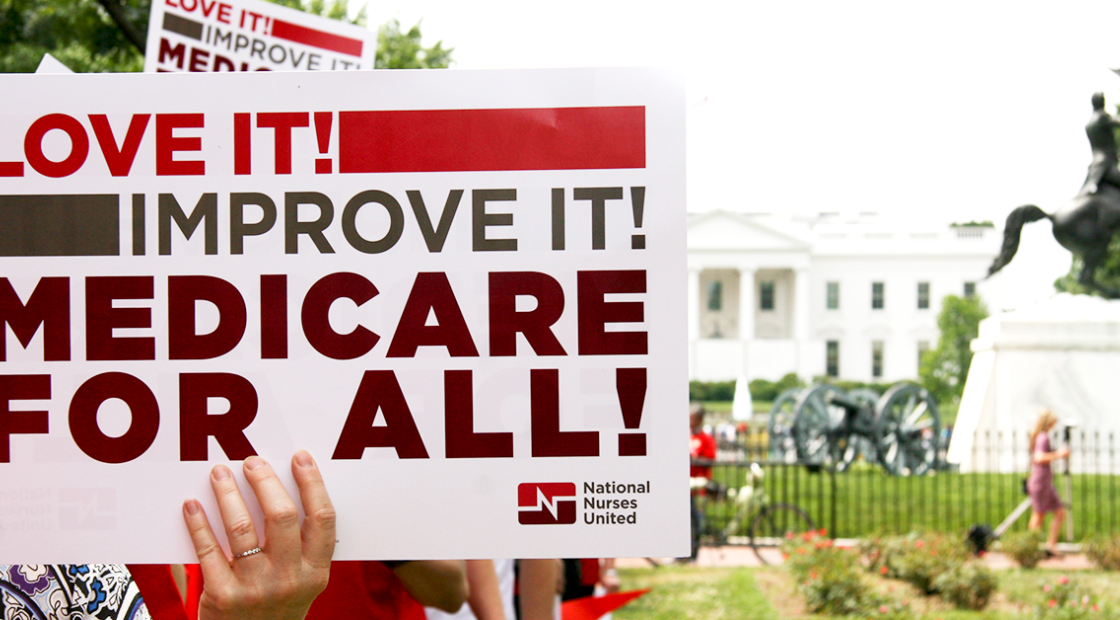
(845, 448)
(910, 430)
(813, 417)
(780, 431)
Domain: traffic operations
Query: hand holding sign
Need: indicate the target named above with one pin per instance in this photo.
(282, 579)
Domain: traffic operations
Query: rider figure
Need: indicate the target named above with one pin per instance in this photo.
(1102, 138)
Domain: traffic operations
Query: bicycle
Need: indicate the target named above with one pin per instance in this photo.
(769, 523)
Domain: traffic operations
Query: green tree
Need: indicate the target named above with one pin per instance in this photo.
(402, 50)
(108, 35)
(80, 33)
(944, 369)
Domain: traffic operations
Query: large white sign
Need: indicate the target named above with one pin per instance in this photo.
(251, 35)
(462, 292)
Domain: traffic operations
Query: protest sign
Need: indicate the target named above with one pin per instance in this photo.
(251, 35)
(462, 292)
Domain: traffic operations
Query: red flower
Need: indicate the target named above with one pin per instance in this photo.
(1052, 602)
(919, 543)
(883, 570)
(1046, 587)
(883, 609)
(813, 575)
(823, 532)
(1063, 580)
(789, 535)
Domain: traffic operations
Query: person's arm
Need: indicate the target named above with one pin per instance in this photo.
(277, 583)
(538, 585)
(608, 576)
(1042, 458)
(436, 583)
(485, 598)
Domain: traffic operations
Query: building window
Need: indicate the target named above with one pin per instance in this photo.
(969, 289)
(832, 358)
(832, 295)
(923, 296)
(877, 358)
(715, 296)
(766, 295)
(923, 348)
(876, 295)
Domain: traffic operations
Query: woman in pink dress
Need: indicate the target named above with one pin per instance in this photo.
(1040, 485)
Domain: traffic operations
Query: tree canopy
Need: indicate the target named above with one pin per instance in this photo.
(402, 50)
(107, 35)
(944, 369)
(79, 33)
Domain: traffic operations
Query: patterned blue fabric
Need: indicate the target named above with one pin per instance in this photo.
(69, 592)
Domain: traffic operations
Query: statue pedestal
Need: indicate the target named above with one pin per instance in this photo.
(1062, 354)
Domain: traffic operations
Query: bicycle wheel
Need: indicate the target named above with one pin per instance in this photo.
(770, 526)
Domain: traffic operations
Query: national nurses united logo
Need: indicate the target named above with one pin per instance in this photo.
(546, 503)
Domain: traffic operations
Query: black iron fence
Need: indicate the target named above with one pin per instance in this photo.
(983, 488)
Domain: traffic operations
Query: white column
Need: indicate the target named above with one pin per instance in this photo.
(693, 305)
(746, 305)
(801, 304)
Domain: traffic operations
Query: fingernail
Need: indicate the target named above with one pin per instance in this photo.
(303, 459)
(191, 507)
(221, 472)
(254, 462)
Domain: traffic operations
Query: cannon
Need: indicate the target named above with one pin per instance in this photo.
(900, 430)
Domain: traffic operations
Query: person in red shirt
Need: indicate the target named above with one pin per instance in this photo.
(703, 454)
(702, 445)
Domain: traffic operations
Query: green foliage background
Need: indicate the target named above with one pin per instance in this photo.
(945, 368)
(84, 35)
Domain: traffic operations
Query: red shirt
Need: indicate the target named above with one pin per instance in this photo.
(702, 446)
(364, 590)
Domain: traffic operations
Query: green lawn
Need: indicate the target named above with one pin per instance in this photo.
(687, 593)
(866, 501)
(765, 594)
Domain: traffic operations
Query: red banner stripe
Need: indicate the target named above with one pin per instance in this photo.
(316, 38)
(490, 140)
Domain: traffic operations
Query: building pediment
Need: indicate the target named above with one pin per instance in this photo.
(728, 231)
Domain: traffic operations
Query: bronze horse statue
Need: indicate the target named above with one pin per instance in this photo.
(1084, 226)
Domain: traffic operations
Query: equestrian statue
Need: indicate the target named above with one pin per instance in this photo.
(1086, 224)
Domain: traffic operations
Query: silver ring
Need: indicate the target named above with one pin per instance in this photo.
(248, 553)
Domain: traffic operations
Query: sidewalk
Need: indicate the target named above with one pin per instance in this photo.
(744, 556)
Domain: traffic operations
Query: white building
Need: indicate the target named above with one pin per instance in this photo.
(855, 298)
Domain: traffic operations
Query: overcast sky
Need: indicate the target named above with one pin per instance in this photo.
(954, 110)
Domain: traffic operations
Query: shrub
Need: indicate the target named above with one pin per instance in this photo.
(968, 586)
(917, 559)
(703, 391)
(1062, 599)
(1024, 547)
(827, 576)
(1104, 551)
(768, 391)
